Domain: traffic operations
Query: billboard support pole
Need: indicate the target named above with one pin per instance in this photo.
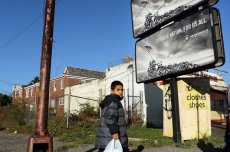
(41, 139)
(175, 110)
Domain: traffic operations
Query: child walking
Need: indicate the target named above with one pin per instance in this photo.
(112, 123)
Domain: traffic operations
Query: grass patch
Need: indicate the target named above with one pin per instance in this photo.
(142, 132)
(152, 142)
(214, 142)
(151, 137)
(80, 133)
(187, 144)
(148, 137)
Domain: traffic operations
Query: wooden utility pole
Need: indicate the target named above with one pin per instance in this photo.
(41, 140)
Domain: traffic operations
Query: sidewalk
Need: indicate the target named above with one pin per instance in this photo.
(81, 148)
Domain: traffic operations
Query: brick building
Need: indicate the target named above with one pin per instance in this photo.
(70, 77)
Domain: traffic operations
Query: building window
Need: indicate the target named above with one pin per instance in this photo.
(27, 93)
(54, 86)
(217, 105)
(20, 93)
(53, 105)
(62, 83)
(61, 101)
(31, 92)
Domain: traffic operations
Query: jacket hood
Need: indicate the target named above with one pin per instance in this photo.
(110, 98)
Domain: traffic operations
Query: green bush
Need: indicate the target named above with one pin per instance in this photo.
(88, 111)
(16, 119)
(17, 114)
(86, 116)
(56, 125)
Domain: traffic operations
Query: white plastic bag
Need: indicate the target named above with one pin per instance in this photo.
(114, 146)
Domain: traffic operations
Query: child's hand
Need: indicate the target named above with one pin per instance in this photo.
(115, 136)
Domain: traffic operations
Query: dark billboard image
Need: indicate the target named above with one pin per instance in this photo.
(147, 14)
(185, 46)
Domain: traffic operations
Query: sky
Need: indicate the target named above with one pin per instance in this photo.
(87, 34)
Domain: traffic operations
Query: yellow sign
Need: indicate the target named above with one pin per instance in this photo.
(195, 99)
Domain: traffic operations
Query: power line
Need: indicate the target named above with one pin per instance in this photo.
(6, 82)
(20, 33)
(23, 30)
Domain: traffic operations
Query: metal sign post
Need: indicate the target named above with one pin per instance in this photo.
(41, 140)
(175, 111)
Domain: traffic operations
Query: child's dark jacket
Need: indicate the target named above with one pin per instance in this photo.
(112, 121)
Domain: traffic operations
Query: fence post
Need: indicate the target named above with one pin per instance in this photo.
(141, 104)
(129, 119)
(124, 102)
(100, 99)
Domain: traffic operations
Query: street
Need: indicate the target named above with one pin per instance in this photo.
(218, 130)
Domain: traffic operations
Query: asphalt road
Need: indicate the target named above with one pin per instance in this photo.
(218, 130)
(10, 142)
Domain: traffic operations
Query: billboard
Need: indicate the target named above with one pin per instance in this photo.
(148, 14)
(186, 46)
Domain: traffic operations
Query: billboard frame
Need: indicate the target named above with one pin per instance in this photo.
(219, 38)
(199, 68)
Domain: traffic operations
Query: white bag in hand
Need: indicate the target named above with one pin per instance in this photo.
(114, 146)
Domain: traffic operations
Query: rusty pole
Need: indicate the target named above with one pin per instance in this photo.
(41, 140)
